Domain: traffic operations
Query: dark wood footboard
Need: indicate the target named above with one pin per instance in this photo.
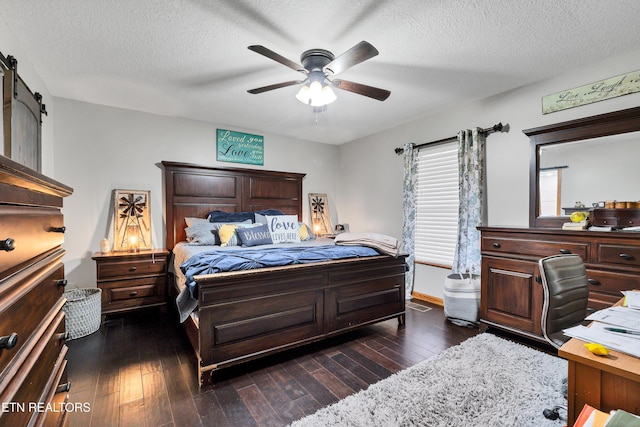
(246, 315)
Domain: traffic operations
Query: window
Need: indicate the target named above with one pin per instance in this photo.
(550, 180)
(437, 204)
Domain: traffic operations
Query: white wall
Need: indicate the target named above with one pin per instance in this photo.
(370, 195)
(99, 149)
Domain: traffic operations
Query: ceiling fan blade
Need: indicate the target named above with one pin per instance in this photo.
(357, 54)
(275, 86)
(360, 89)
(277, 57)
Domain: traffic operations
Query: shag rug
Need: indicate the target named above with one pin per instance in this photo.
(484, 381)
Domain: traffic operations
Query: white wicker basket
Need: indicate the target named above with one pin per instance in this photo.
(82, 311)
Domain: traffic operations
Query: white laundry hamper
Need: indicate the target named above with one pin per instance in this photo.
(462, 299)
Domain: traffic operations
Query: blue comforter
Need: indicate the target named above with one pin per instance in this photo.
(217, 261)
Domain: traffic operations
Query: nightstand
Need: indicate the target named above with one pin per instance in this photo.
(132, 280)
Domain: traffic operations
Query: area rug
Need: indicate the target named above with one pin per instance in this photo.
(484, 381)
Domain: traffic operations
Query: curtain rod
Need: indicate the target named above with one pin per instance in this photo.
(495, 128)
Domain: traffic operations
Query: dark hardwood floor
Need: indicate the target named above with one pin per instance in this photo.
(139, 370)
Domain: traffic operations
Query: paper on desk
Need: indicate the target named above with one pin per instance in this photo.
(618, 316)
(633, 299)
(596, 333)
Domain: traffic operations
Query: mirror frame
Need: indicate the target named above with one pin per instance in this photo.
(614, 123)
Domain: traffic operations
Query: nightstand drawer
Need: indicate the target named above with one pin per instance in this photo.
(135, 293)
(133, 268)
(131, 292)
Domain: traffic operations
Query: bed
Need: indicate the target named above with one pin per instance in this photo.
(244, 315)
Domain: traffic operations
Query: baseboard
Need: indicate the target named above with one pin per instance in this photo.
(427, 298)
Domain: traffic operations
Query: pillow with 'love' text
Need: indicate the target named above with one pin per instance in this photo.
(283, 228)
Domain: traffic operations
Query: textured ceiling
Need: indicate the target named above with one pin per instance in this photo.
(189, 58)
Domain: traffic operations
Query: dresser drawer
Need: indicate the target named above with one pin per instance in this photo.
(24, 308)
(619, 255)
(30, 385)
(533, 248)
(108, 270)
(608, 283)
(30, 231)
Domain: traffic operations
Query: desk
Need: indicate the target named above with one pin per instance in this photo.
(606, 383)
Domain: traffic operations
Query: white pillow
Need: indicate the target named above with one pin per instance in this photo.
(283, 228)
(193, 221)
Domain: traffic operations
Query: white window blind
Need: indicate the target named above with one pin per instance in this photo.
(437, 204)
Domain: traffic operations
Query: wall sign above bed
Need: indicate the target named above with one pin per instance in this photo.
(239, 147)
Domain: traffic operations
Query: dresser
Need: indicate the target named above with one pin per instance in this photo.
(33, 379)
(511, 290)
(132, 280)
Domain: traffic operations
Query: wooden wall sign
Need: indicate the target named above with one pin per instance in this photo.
(238, 147)
(612, 87)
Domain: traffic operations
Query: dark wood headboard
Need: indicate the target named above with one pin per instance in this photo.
(194, 191)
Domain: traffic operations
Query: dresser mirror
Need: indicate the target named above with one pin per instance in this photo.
(583, 161)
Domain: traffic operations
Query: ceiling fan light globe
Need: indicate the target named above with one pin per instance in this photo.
(328, 95)
(315, 89)
(303, 95)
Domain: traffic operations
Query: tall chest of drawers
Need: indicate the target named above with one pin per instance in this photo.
(511, 291)
(33, 382)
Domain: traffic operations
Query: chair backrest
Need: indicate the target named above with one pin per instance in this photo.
(566, 295)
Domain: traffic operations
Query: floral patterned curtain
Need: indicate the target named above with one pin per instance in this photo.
(409, 217)
(471, 148)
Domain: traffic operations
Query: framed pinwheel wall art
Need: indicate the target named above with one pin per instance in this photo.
(132, 220)
(320, 216)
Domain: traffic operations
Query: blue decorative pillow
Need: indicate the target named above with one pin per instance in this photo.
(269, 212)
(254, 236)
(229, 217)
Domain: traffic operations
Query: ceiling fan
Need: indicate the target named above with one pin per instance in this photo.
(318, 65)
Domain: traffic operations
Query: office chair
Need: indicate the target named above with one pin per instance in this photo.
(566, 296)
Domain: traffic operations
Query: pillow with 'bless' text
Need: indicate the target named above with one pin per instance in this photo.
(283, 228)
(254, 236)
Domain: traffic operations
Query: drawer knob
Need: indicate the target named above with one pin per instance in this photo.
(63, 388)
(8, 244)
(538, 279)
(593, 282)
(133, 294)
(626, 257)
(64, 336)
(133, 268)
(62, 282)
(9, 341)
(58, 229)
(565, 251)
(496, 245)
